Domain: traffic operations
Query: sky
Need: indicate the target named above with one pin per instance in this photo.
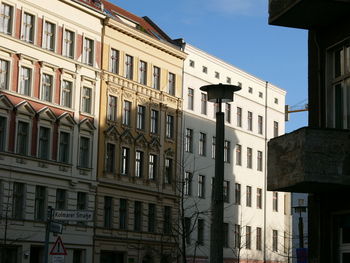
(237, 32)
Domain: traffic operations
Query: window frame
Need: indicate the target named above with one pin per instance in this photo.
(69, 149)
(31, 38)
(7, 74)
(11, 19)
(41, 154)
(72, 49)
(129, 67)
(114, 61)
(46, 35)
(88, 52)
(86, 163)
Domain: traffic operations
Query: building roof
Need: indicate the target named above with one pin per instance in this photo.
(144, 24)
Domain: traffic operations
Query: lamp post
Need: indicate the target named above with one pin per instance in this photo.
(300, 209)
(218, 93)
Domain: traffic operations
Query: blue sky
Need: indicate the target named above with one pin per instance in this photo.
(237, 31)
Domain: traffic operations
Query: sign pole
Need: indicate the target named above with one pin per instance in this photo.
(47, 234)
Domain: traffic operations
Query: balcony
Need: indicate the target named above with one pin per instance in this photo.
(306, 14)
(309, 160)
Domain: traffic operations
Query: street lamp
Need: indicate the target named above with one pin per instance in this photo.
(300, 209)
(218, 94)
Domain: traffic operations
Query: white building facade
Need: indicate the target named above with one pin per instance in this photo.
(257, 222)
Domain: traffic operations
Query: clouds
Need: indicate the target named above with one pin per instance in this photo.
(238, 7)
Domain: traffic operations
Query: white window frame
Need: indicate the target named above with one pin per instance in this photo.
(9, 71)
(24, 11)
(64, 48)
(12, 18)
(71, 78)
(84, 50)
(44, 42)
(85, 98)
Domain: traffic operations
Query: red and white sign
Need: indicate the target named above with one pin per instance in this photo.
(58, 248)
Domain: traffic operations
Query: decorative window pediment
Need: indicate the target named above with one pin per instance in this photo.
(141, 141)
(87, 125)
(66, 119)
(112, 133)
(25, 108)
(5, 103)
(126, 137)
(47, 114)
(169, 152)
(155, 144)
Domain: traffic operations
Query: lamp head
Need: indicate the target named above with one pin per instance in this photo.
(220, 92)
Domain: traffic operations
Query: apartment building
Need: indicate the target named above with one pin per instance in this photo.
(257, 222)
(140, 115)
(49, 106)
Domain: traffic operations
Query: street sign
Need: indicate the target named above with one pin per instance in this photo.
(58, 248)
(58, 259)
(56, 227)
(73, 215)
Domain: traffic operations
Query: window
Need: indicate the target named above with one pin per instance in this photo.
(127, 113)
(84, 152)
(49, 36)
(274, 240)
(249, 196)
(139, 164)
(250, 90)
(237, 235)
(81, 201)
(156, 78)
(258, 238)
(276, 100)
(226, 235)
(123, 214)
(143, 72)
(3, 131)
(239, 117)
(205, 69)
(151, 217)
(259, 198)
(227, 152)
(18, 200)
(114, 61)
(213, 147)
(64, 147)
(201, 186)
(4, 74)
(226, 191)
(187, 230)
(249, 158)
(189, 140)
(248, 237)
(86, 100)
(46, 87)
(188, 184)
(202, 144)
(167, 220)
(260, 161)
(110, 158)
(200, 232)
(204, 102)
(170, 126)
(237, 194)
(260, 94)
(172, 82)
(112, 108)
(44, 143)
(275, 129)
(275, 201)
(154, 121)
(250, 121)
(190, 94)
(239, 84)
(22, 138)
(191, 63)
(141, 115)
(28, 28)
(25, 81)
(152, 167)
(40, 207)
(168, 171)
(66, 96)
(68, 43)
(238, 154)
(217, 75)
(61, 197)
(107, 212)
(228, 80)
(228, 112)
(129, 67)
(125, 160)
(138, 216)
(88, 51)
(260, 124)
(6, 18)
